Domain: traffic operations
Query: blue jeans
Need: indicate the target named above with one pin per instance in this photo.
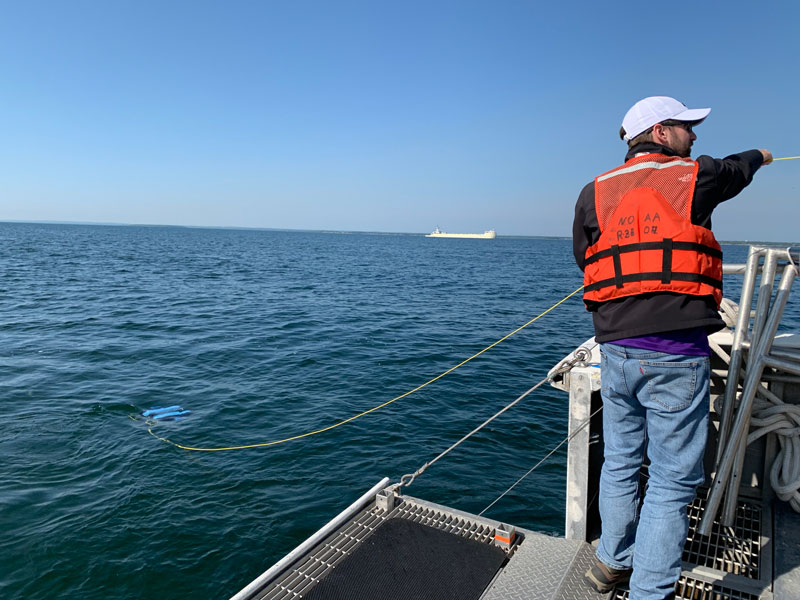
(659, 403)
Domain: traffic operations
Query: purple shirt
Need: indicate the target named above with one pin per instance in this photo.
(690, 342)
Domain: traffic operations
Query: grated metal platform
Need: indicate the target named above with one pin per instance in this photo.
(690, 588)
(736, 549)
(414, 561)
(728, 564)
(301, 578)
(298, 580)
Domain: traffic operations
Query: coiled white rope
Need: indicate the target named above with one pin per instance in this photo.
(772, 415)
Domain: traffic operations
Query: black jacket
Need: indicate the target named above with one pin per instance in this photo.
(646, 314)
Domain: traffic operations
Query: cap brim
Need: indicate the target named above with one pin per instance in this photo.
(696, 115)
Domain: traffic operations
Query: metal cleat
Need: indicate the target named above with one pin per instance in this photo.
(504, 536)
(387, 499)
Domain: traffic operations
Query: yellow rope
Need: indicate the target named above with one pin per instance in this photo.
(786, 158)
(366, 412)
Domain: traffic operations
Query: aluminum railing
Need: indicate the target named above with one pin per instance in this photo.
(751, 353)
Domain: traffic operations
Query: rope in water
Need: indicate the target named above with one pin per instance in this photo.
(366, 412)
(787, 158)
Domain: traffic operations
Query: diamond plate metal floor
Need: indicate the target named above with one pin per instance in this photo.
(545, 568)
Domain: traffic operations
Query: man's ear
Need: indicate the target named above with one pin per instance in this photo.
(659, 134)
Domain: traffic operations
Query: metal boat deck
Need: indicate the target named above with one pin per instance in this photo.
(736, 563)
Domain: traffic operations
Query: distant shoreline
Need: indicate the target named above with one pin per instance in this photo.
(242, 228)
(346, 232)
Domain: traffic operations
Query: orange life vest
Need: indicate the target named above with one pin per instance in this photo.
(647, 240)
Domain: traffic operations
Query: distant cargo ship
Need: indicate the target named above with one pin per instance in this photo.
(486, 235)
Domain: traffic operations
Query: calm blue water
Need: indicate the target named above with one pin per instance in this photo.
(262, 335)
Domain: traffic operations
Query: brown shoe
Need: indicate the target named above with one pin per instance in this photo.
(603, 578)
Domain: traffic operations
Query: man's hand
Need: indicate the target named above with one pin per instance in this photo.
(767, 156)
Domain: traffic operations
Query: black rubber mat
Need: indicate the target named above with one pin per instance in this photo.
(403, 559)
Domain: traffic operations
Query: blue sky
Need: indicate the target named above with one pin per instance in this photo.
(378, 116)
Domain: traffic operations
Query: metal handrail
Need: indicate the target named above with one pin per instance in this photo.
(759, 338)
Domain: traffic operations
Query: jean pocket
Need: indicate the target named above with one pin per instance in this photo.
(671, 385)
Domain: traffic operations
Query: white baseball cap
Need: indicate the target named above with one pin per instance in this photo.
(655, 109)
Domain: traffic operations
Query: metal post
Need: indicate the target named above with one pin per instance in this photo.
(761, 314)
(783, 365)
(765, 293)
(739, 334)
(580, 400)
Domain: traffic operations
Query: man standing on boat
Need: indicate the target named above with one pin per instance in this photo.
(653, 283)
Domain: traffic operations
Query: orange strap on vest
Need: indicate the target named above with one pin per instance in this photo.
(647, 240)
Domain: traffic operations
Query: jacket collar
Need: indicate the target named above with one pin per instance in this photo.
(649, 148)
